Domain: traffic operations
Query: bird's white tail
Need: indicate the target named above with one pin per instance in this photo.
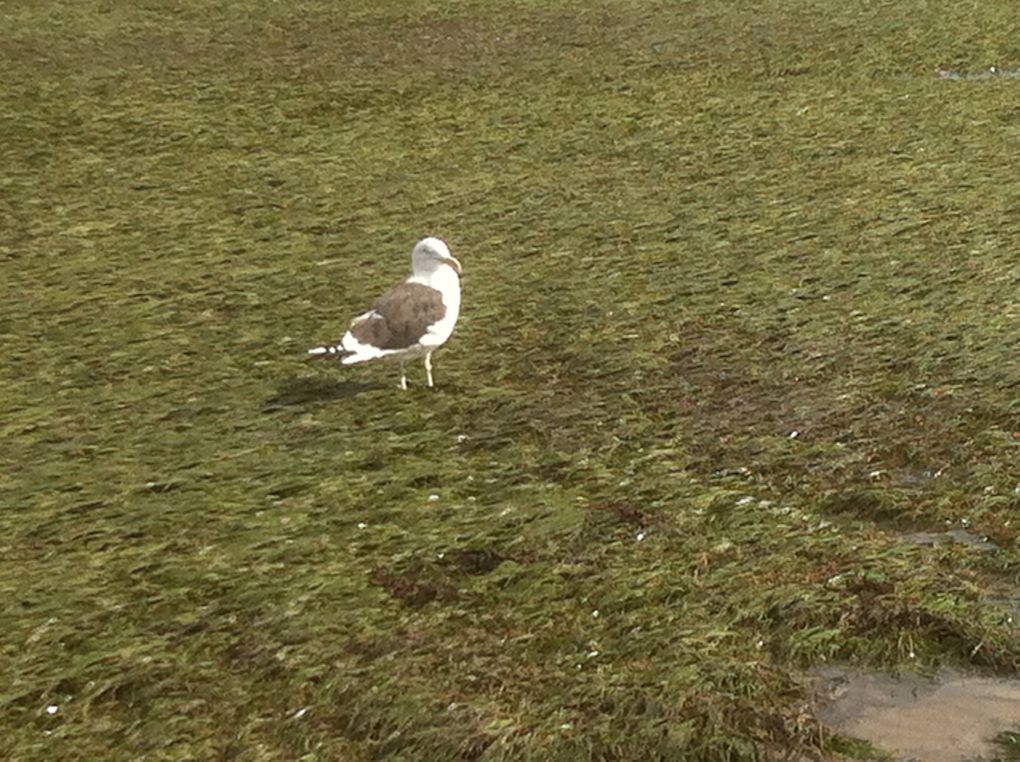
(329, 350)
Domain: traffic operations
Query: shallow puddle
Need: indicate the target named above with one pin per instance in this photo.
(952, 718)
(959, 536)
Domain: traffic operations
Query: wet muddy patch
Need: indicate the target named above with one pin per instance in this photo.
(977, 542)
(953, 717)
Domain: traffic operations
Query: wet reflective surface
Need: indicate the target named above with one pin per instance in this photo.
(952, 718)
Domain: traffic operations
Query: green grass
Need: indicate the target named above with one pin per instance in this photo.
(1009, 745)
(689, 231)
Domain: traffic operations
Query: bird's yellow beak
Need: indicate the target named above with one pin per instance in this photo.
(455, 265)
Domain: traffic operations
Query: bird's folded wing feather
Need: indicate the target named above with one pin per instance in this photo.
(400, 317)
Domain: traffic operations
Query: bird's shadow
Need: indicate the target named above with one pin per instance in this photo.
(305, 390)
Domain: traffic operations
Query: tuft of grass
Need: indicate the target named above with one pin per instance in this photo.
(1009, 745)
(855, 748)
(740, 307)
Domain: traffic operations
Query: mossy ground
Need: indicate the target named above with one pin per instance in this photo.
(740, 304)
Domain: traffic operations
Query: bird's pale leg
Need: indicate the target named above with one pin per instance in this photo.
(403, 377)
(428, 368)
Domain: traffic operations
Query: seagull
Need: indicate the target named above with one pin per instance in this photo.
(409, 321)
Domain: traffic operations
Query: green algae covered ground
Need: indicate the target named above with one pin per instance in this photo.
(740, 312)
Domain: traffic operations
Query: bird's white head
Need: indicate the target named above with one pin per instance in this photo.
(429, 254)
